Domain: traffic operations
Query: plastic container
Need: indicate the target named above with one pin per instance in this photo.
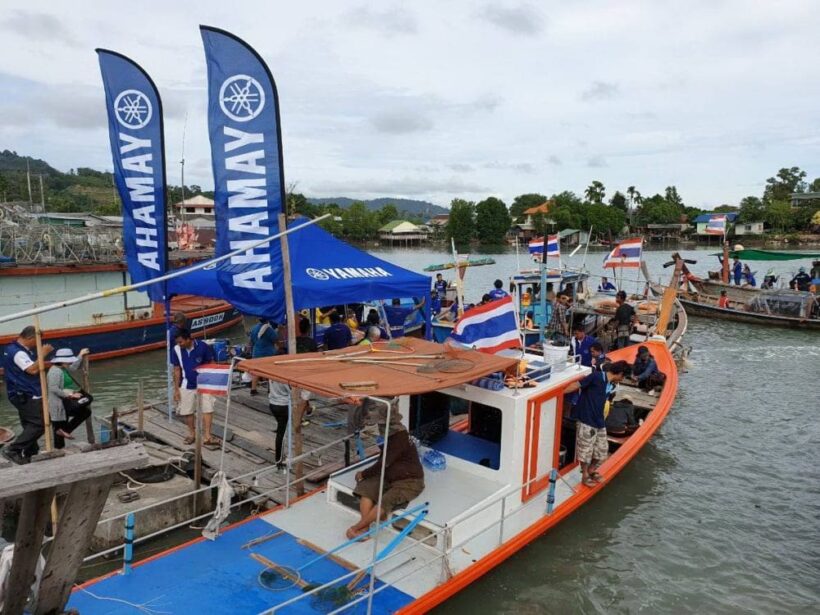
(433, 460)
(221, 350)
(556, 356)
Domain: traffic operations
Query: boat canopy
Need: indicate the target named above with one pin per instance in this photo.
(325, 270)
(782, 303)
(751, 254)
(410, 366)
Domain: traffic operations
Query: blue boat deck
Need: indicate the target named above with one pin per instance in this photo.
(221, 577)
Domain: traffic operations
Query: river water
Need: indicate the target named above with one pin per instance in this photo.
(720, 512)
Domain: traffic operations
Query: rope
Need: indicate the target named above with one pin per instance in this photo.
(143, 608)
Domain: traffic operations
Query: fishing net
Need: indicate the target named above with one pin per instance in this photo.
(331, 598)
(279, 578)
(447, 366)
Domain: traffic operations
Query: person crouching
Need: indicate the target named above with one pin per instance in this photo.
(403, 474)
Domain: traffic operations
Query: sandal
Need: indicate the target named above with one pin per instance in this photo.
(212, 441)
(589, 483)
(189, 440)
(596, 477)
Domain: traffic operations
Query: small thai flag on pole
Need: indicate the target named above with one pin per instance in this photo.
(625, 254)
(213, 379)
(716, 225)
(537, 246)
(553, 246)
(489, 328)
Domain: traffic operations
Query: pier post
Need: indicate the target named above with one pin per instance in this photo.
(89, 422)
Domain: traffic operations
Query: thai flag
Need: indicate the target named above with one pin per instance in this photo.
(553, 246)
(489, 328)
(625, 254)
(537, 246)
(716, 225)
(213, 379)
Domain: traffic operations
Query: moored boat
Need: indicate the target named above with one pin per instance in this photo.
(509, 476)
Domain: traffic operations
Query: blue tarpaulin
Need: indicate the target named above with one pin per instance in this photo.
(325, 271)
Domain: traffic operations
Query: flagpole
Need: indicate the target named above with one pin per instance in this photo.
(542, 298)
(169, 276)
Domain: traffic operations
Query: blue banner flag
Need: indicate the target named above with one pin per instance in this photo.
(135, 130)
(249, 186)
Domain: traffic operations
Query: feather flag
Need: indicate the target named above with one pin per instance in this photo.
(213, 379)
(489, 328)
(626, 254)
(716, 225)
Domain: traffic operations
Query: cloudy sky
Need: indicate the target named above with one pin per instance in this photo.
(444, 99)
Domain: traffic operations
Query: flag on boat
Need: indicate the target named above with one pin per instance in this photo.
(249, 186)
(716, 225)
(626, 254)
(135, 131)
(553, 246)
(213, 379)
(490, 327)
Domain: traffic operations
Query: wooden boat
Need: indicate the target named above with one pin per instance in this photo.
(765, 308)
(510, 477)
(467, 262)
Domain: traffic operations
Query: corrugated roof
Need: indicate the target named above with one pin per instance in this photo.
(730, 216)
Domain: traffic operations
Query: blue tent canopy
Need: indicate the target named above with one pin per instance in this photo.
(324, 270)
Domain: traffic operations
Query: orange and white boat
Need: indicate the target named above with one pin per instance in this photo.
(509, 477)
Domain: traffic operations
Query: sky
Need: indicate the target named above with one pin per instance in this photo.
(447, 99)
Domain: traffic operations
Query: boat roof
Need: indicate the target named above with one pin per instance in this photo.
(751, 254)
(533, 276)
(385, 369)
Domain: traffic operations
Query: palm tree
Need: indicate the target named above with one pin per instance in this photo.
(596, 192)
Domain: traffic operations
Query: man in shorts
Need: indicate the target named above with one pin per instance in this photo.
(189, 354)
(403, 474)
(591, 444)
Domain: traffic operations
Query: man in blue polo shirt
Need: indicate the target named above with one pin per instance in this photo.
(338, 334)
(581, 345)
(498, 291)
(397, 316)
(186, 357)
(24, 391)
(591, 444)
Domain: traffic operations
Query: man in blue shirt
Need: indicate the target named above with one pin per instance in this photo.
(263, 344)
(397, 316)
(645, 370)
(186, 357)
(440, 286)
(338, 334)
(581, 345)
(178, 321)
(22, 374)
(498, 292)
(737, 270)
(596, 350)
(606, 286)
(591, 444)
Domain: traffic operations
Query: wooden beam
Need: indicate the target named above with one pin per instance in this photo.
(34, 514)
(81, 511)
(20, 480)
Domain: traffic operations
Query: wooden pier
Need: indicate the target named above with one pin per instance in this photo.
(251, 441)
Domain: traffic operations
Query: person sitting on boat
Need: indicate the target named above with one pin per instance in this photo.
(374, 334)
(768, 280)
(606, 286)
(581, 343)
(263, 339)
(591, 444)
(435, 303)
(645, 370)
(485, 299)
(68, 405)
(338, 334)
(620, 421)
(596, 351)
(723, 302)
(323, 315)
(498, 291)
(304, 341)
(526, 298)
(186, 357)
(351, 320)
(403, 473)
(748, 276)
(737, 271)
(624, 319)
(397, 316)
(529, 322)
(801, 281)
(440, 286)
(559, 325)
(23, 388)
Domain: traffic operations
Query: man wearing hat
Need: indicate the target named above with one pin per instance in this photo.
(801, 281)
(645, 370)
(403, 474)
(67, 406)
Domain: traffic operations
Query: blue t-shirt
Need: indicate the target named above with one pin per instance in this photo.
(738, 271)
(264, 345)
(338, 336)
(497, 293)
(606, 287)
(644, 369)
(440, 287)
(189, 360)
(590, 406)
(396, 317)
(583, 348)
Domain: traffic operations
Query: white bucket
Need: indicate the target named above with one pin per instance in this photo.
(556, 356)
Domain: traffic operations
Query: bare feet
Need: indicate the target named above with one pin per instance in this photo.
(64, 434)
(353, 532)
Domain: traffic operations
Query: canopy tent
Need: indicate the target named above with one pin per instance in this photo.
(387, 370)
(768, 255)
(324, 270)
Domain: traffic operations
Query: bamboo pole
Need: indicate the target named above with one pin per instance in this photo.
(291, 316)
(140, 405)
(49, 436)
(89, 422)
(198, 450)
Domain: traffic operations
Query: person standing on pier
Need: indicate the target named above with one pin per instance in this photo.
(187, 356)
(22, 373)
(178, 321)
(68, 404)
(263, 344)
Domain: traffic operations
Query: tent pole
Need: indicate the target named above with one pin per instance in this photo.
(291, 316)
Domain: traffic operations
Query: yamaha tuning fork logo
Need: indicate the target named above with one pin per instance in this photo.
(317, 274)
(133, 109)
(241, 98)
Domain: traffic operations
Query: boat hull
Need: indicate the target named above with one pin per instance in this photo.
(703, 310)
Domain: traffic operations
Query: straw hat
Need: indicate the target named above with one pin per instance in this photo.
(63, 355)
